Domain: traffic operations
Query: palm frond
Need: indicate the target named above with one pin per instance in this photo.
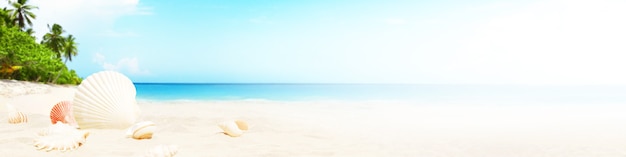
(28, 7)
(31, 14)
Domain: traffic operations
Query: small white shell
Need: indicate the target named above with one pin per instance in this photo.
(162, 151)
(233, 128)
(14, 116)
(106, 100)
(60, 136)
(141, 130)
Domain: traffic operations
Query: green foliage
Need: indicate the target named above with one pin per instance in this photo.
(22, 58)
(38, 62)
(69, 77)
(5, 17)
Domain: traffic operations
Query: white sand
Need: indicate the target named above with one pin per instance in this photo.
(334, 128)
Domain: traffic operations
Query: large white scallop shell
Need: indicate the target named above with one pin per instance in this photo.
(60, 136)
(162, 151)
(14, 116)
(233, 128)
(106, 100)
(141, 130)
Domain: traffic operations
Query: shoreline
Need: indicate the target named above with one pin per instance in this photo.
(323, 128)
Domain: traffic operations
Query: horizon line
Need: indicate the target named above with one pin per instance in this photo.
(271, 83)
(339, 83)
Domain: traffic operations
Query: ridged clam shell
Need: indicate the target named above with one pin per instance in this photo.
(141, 130)
(233, 128)
(62, 112)
(162, 151)
(14, 116)
(60, 136)
(106, 100)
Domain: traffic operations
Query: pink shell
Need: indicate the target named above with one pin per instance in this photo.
(62, 112)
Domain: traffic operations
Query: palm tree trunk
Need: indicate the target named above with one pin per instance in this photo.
(59, 73)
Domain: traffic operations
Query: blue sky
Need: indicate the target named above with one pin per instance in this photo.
(349, 41)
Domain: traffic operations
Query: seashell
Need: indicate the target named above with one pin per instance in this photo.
(162, 151)
(141, 130)
(60, 136)
(242, 125)
(14, 116)
(62, 112)
(106, 100)
(233, 128)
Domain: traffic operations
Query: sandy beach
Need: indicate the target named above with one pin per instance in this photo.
(325, 128)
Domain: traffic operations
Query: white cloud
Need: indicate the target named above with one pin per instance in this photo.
(550, 42)
(83, 16)
(126, 64)
(99, 58)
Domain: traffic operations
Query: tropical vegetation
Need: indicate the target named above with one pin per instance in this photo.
(23, 58)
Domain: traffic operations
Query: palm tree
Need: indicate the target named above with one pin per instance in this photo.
(69, 49)
(54, 40)
(22, 14)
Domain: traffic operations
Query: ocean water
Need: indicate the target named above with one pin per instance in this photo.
(284, 92)
(420, 93)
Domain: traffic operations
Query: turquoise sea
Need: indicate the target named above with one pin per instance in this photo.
(421, 93)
